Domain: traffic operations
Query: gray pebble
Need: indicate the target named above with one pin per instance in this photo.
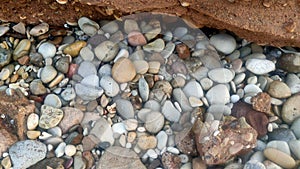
(68, 94)
(86, 54)
(86, 68)
(223, 43)
(153, 105)
(53, 101)
(170, 112)
(252, 164)
(180, 32)
(125, 109)
(48, 74)
(282, 134)
(87, 92)
(143, 89)
(280, 145)
(110, 86)
(181, 98)
(296, 127)
(154, 122)
(221, 75)
(91, 80)
(193, 88)
(47, 50)
(105, 70)
(294, 147)
(218, 94)
(162, 139)
(106, 51)
(293, 82)
(260, 66)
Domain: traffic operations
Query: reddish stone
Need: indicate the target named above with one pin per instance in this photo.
(185, 142)
(262, 103)
(136, 39)
(171, 161)
(183, 51)
(72, 70)
(87, 155)
(24, 60)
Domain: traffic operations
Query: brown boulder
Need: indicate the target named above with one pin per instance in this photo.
(265, 22)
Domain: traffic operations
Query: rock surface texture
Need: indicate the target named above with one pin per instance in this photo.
(265, 22)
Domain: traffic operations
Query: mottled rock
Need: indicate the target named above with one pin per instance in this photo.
(154, 122)
(72, 117)
(261, 102)
(146, 142)
(106, 51)
(260, 66)
(26, 153)
(170, 160)
(50, 117)
(185, 142)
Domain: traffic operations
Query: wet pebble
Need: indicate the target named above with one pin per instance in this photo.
(260, 66)
(223, 43)
(47, 50)
(123, 70)
(106, 51)
(48, 74)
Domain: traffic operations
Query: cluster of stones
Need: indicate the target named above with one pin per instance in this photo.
(147, 94)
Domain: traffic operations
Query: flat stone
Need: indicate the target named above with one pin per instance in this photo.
(104, 70)
(48, 74)
(103, 131)
(147, 142)
(73, 49)
(280, 145)
(219, 110)
(170, 112)
(106, 51)
(52, 100)
(279, 90)
(87, 92)
(119, 128)
(221, 75)
(193, 88)
(110, 86)
(125, 108)
(131, 25)
(218, 94)
(252, 88)
(72, 117)
(24, 154)
(280, 158)
(291, 109)
(181, 98)
(143, 89)
(37, 88)
(154, 122)
(162, 139)
(110, 27)
(68, 94)
(260, 66)
(223, 43)
(47, 50)
(136, 39)
(123, 70)
(169, 49)
(88, 26)
(62, 64)
(50, 117)
(20, 28)
(141, 66)
(118, 157)
(206, 83)
(154, 67)
(21, 49)
(86, 68)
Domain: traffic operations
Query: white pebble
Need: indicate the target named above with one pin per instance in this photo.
(152, 154)
(32, 121)
(60, 150)
(173, 150)
(70, 150)
(184, 158)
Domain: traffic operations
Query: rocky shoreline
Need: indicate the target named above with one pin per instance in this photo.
(146, 91)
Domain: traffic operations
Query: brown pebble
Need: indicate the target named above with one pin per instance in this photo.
(24, 60)
(262, 103)
(183, 51)
(72, 70)
(136, 39)
(170, 160)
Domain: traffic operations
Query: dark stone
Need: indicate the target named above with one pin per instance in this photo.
(282, 134)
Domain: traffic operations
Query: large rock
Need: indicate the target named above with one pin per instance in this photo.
(281, 30)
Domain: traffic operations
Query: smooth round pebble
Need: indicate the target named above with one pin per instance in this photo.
(221, 75)
(106, 51)
(280, 158)
(53, 101)
(154, 122)
(70, 150)
(223, 43)
(32, 121)
(47, 50)
(291, 109)
(48, 74)
(110, 86)
(260, 66)
(123, 70)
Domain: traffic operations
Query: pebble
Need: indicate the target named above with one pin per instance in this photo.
(47, 50)
(291, 109)
(218, 94)
(74, 48)
(280, 145)
(91, 80)
(294, 147)
(119, 128)
(88, 93)
(130, 25)
(270, 165)
(86, 68)
(40, 29)
(21, 49)
(179, 32)
(147, 142)
(154, 67)
(218, 110)
(60, 149)
(252, 164)
(79, 162)
(55, 131)
(125, 108)
(50, 117)
(37, 88)
(157, 45)
(282, 134)
(154, 122)
(70, 150)
(136, 38)
(168, 50)
(152, 154)
(162, 139)
(115, 156)
(130, 124)
(53, 101)
(32, 121)
(260, 66)
(221, 75)
(123, 70)
(110, 27)
(293, 82)
(106, 51)
(143, 89)
(105, 70)
(26, 153)
(193, 88)
(141, 66)
(68, 94)
(48, 73)
(258, 156)
(296, 127)
(181, 98)
(86, 54)
(206, 83)
(88, 26)
(279, 90)
(20, 28)
(110, 86)
(289, 62)
(72, 117)
(252, 88)
(32, 135)
(62, 64)
(280, 158)
(170, 112)
(224, 43)
(6, 162)
(5, 57)
(103, 131)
